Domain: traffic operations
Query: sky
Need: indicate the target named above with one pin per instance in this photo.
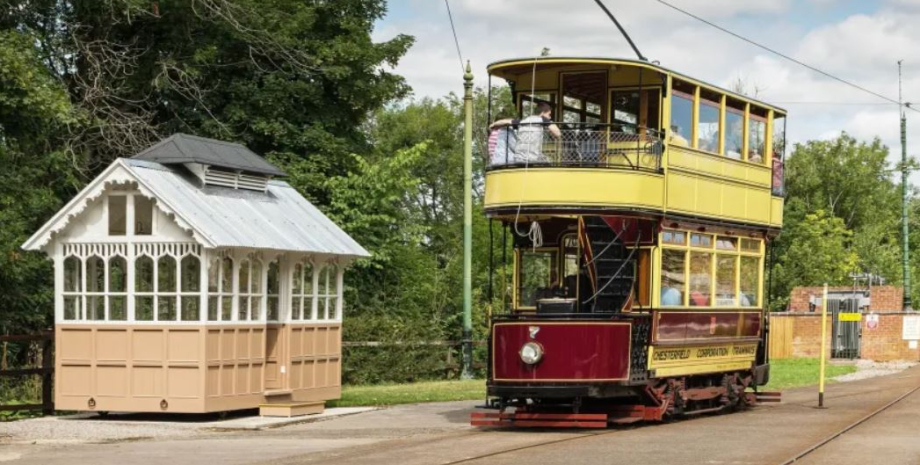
(859, 41)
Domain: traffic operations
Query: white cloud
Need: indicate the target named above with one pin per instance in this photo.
(862, 48)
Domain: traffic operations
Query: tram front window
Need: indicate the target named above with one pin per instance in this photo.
(536, 277)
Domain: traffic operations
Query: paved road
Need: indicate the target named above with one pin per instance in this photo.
(439, 433)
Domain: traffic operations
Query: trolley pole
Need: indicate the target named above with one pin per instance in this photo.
(467, 372)
(905, 198)
(823, 348)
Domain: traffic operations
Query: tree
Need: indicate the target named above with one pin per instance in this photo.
(36, 175)
(818, 252)
(287, 78)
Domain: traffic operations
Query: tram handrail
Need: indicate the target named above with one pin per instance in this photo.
(593, 145)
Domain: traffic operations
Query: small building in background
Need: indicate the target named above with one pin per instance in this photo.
(863, 322)
(189, 278)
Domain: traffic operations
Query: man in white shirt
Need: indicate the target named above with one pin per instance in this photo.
(529, 143)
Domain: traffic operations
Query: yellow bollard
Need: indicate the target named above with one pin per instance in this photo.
(823, 348)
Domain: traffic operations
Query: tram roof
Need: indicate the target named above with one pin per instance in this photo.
(500, 65)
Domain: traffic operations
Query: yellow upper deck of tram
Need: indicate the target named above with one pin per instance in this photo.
(636, 137)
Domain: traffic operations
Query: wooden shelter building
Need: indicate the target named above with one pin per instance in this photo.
(189, 279)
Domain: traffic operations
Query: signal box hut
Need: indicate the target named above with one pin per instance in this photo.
(189, 279)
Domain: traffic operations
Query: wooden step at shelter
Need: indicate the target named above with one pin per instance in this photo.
(291, 409)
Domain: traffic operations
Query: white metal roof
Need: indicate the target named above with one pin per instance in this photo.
(278, 219)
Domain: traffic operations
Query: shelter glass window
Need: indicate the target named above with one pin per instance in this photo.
(95, 288)
(73, 287)
(143, 215)
(167, 277)
(757, 135)
(273, 290)
(117, 215)
(535, 276)
(302, 296)
(143, 288)
(190, 288)
(220, 289)
(708, 130)
(673, 277)
(249, 301)
(734, 130)
(118, 289)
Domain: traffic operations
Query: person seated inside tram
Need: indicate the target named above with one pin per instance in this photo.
(529, 144)
(671, 296)
(676, 139)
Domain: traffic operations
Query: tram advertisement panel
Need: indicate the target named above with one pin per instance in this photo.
(677, 361)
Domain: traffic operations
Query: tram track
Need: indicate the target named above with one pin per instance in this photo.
(827, 440)
(535, 446)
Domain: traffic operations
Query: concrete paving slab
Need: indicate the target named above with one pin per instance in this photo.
(259, 422)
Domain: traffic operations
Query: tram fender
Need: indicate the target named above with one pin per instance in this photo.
(762, 374)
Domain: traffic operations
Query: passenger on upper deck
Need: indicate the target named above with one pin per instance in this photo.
(529, 141)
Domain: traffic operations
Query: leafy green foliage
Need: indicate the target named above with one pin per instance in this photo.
(841, 216)
(36, 176)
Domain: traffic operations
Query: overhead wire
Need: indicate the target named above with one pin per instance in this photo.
(456, 40)
(787, 57)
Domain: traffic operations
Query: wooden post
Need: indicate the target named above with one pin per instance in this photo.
(47, 375)
(823, 347)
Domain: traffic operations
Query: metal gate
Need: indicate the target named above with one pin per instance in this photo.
(845, 334)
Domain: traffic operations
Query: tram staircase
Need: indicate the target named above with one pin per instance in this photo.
(613, 263)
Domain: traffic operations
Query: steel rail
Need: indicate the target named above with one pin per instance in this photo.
(843, 431)
(534, 446)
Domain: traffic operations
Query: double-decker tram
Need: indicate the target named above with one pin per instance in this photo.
(640, 203)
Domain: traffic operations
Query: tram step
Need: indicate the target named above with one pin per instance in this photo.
(291, 409)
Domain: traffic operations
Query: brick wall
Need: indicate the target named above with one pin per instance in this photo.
(797, 335)
(884, 342)
(883, 299)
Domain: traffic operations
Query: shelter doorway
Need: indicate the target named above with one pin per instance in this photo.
(275, 368)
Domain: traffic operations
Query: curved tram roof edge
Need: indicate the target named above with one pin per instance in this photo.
(497, 65)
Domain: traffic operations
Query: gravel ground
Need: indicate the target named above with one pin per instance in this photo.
(869, 369)
(88, 428)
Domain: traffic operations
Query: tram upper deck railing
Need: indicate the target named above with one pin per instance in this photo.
(588, 145)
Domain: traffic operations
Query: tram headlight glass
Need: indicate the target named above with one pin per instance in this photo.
(531, 353)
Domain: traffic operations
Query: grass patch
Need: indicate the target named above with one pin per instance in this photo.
(784, 374)
(795, 372)
(410, 393)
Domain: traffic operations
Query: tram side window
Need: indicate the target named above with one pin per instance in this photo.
(779, 151)
(529, 102)
(700, 279)
(750, 277)
(708, 130)
(757, 135)
(673, 277)
(726, 269)
(535, 277)
(681, 114)
(734, 130)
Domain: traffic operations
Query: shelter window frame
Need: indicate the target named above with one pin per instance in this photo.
(220, 288)
(303, 291)
(250, 295)
(731, 250)
(327, 292)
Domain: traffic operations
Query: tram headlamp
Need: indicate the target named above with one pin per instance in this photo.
(531, 352)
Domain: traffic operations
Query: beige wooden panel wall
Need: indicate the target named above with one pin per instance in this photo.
(316, 361)
(125, 368)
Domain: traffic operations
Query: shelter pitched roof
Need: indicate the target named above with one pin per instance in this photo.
(184, 148)
(278, 219)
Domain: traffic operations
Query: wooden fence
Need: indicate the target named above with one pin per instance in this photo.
(46, 371)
